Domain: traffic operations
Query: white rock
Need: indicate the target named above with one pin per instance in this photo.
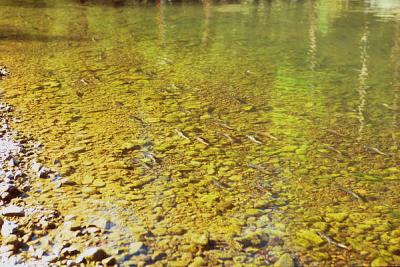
(8, 228)
(13, 211)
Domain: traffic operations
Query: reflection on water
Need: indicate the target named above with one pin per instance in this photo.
(218, 133)
(363, 80)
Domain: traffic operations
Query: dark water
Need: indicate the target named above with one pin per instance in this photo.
(225, 133)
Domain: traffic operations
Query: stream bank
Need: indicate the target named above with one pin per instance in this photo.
(32, 232)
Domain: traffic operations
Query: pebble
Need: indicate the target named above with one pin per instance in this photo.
(110, 261)
(284, 261)
(9, 175)
(8, 228)
(101, 223)
(92, 254)
(99, 183)
(36, 166)
(12, 162)
(310, 236)
(43, 172)
(13, 211)
(379, 262)
(200, 239)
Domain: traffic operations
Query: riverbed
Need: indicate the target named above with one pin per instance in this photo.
(216, 134)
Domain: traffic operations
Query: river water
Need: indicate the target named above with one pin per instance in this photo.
(217, 133)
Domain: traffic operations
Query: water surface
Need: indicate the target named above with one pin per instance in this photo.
(233, 133)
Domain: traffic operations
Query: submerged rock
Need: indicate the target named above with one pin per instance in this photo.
(200, 239)
(311, 237)
(284, 261)
(338, 217)
(92, 254)
(379, 262)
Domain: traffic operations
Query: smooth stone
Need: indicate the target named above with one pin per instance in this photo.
(379, 262)
(89, 190)
(99, 183)
(9, 175)
(93, 254)
(135, 247)
(87, 180)
(36, 166)
(101, 223)
(310, 236)
(43, 172)
(284, 261)
(13, 162)
(110, 261)
(8, 228)
(13, 211)
(200, 239)
(338, 217)
(198, 262)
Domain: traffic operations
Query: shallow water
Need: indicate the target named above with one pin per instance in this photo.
(271, 126)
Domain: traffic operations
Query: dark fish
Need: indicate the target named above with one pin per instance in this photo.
(137, 119)
(351, 193)
(333, 149)
(79, 94)
(240, 100)
(259, 168)
(335, 133)
(221, 185)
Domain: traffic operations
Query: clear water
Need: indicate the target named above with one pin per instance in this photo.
(272, 126)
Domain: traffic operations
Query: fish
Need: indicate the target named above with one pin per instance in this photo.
(202, 140)
(241, 101)
(181, 134)
(137, 119)
(351, 193)
(221, 185)
(231, 139)
(331, 241)
(253, 139)
(269, 135)
(225, 125)
(332, 149)
(375, 150)
(150, 156)
(389, 107)
(335, 133)
(259, 168)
